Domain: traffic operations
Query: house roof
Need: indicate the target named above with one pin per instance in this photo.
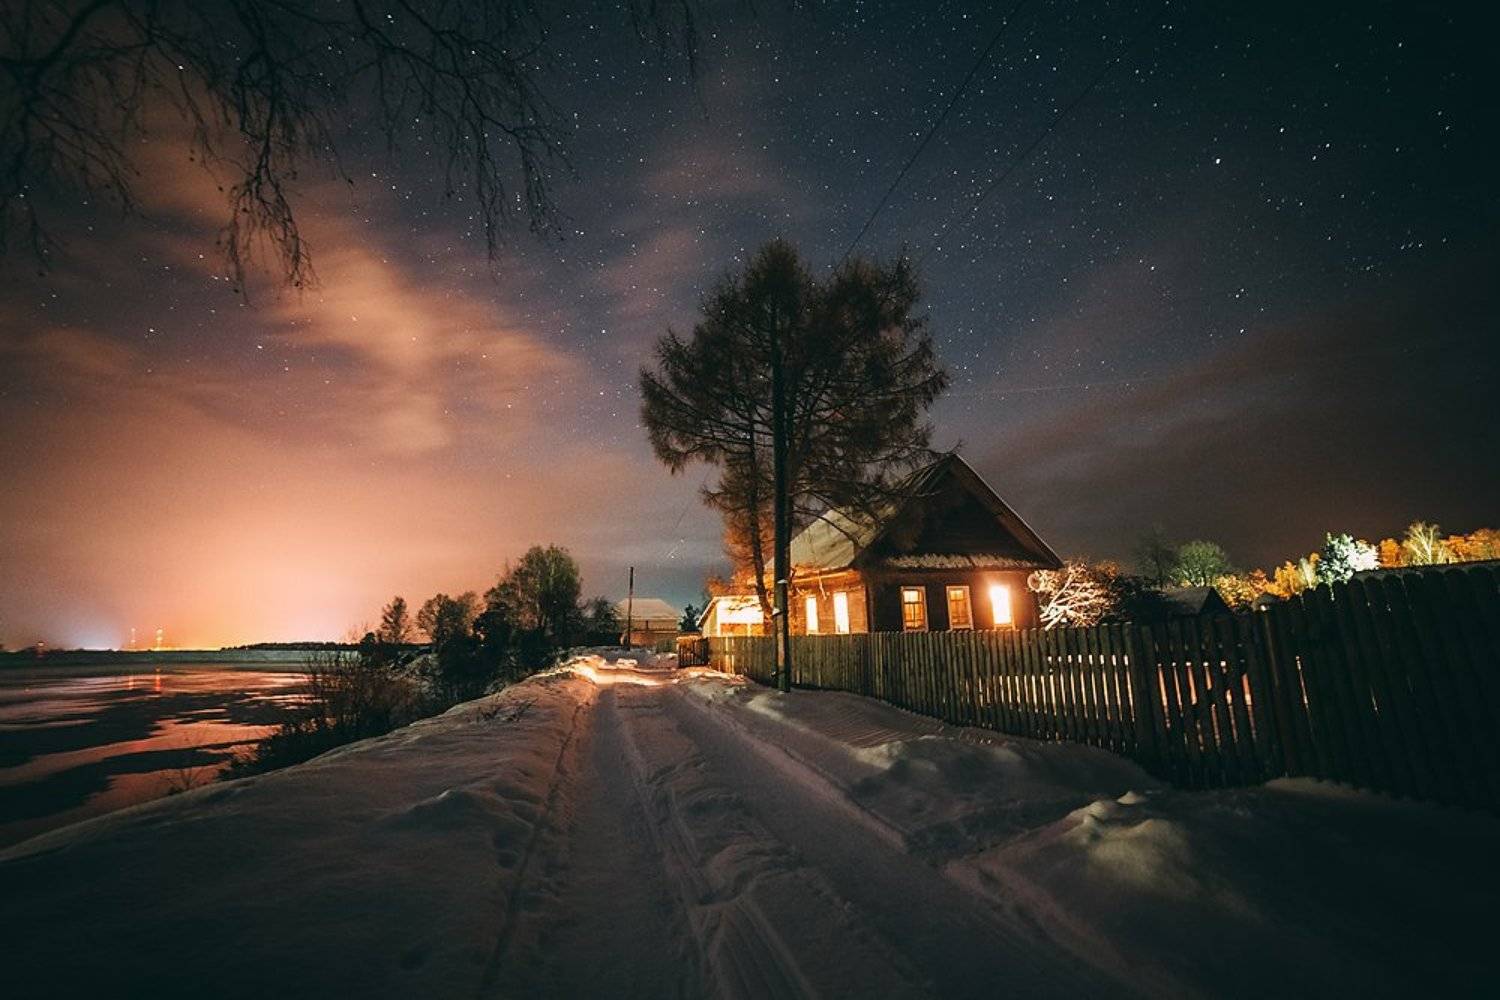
(838, 540)
(648, 609)
(1188, 601)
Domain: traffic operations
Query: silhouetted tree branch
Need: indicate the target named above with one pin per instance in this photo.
(269, 88)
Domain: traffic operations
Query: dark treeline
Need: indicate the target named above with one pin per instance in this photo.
(452, 649)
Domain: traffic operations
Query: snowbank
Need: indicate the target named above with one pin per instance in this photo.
(621, 827)
(1294, 888)
(387, 867)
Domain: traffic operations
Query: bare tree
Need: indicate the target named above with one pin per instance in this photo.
(269, 88)
(810, 396)
(1076, 596)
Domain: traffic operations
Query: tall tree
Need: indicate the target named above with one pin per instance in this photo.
(808, 395)
(445, 618)
(266, 89)
(541, 592)
(395, 623)
(1199, 563)
(1155, 557)
(1423, 545)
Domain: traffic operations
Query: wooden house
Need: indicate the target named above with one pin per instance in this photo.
(651, 620)
(950, 554)
(732, 614)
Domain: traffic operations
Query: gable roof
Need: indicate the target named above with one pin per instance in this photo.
(1191, 601)
(648, 609)
(837, 540)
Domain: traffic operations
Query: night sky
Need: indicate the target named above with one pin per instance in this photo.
(1245, 291)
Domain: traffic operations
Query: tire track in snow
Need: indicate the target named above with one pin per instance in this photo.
(972, 944)
(509, 917)
(740, 885)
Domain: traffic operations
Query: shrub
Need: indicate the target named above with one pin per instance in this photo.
(349, 697)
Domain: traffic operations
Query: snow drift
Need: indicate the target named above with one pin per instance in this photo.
(618, 827)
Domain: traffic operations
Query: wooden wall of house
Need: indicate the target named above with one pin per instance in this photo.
(875, 600)
(885, 590)
(823, 590)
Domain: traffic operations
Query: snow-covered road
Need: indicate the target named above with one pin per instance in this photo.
(615, 829)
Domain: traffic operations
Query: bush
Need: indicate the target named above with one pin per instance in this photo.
(350, 697)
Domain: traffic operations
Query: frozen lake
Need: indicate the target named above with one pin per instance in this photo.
(80, 740)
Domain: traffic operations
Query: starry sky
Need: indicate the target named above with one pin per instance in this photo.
(1244, 290)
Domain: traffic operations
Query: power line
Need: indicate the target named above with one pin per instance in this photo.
(973, 70)
(1019, 161)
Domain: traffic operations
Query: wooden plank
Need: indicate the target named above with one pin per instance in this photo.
(1088, 700)
(1362, 675)
(1192, 737)
(1116, 658)
(1146, 709)
(1279, 654)
(1261, 704)
(1057, 644)
(1093, 706)
(1036, 681)
(1328, 738)
(995, 646)
(1218, 751)
(1103, 664)
(1425, 750)
(986, 656)
(1051, 719)
(1030, 707)
(1045, 686)
(1173, 687)
(1441, 717)
(1014, 665)
(1067, 676)
(1119, 643)
(1464, 598)
(1234, 670)
(1349, 686)
(1395, 729)
(1100, 663)
(1083, 697)
(1450, 603)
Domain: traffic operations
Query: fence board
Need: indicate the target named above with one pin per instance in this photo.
(1390, 683)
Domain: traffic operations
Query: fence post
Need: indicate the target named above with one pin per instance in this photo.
(1144, 704)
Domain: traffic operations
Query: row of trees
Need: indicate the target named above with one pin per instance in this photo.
(534, 609)
(1086, 593)
(387, 681)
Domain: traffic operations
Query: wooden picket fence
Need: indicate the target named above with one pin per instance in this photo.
(1388, 682)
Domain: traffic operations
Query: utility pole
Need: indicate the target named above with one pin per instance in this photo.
(781, 515)
(630, 608)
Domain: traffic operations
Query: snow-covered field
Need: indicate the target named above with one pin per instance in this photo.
(620, 828)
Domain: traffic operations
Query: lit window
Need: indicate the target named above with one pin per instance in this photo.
(913, 609)
(841, 612)
(1000, 603)
(812, 614)
(959, 613)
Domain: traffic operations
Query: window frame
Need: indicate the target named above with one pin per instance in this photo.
(810, 616)
(841, 622)
(920, 603)
(948, 592)
(1010, 611)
